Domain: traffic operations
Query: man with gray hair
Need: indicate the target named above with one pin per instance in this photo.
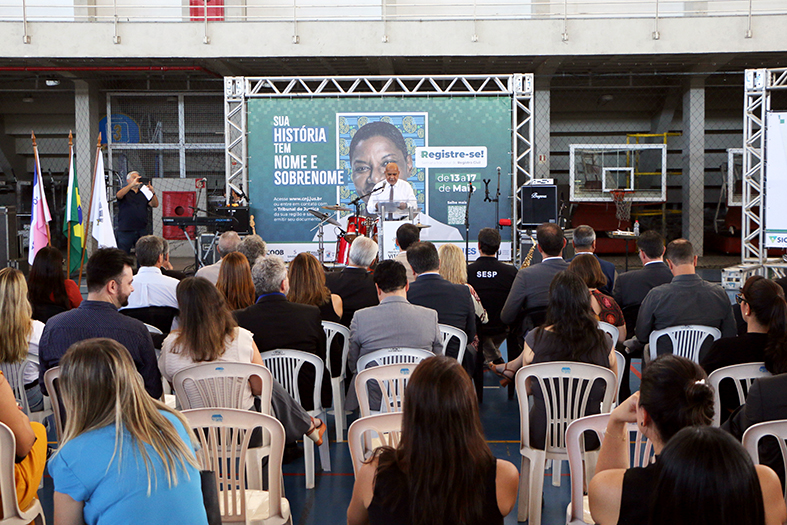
(276, 322)
(253, 247)
(228, 243)
(133, 200)
(354, 284)
(151, 287)
(585, 244)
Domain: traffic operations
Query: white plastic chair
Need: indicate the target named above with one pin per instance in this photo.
(337, 383)
(565, 399)
(51, 377)
(449, 332)
(383, 429)
(12, 514)
(153, 330)
(223, 385)
(390, 379)
(744, 374)
(285, 365)
(390, 356)
(686, 340)
(15, 375)
(621, 366)
(612, 330)
(227, 425)
(753, 435)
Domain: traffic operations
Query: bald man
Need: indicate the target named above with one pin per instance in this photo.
(392, 189)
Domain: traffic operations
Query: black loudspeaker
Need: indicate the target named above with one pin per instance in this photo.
(209, 255)
(9, 247)
(538, 205)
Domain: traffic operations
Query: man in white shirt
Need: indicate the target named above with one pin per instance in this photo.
(151, 287)
(392, 189)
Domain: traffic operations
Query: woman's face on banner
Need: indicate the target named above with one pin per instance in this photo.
(370, 158)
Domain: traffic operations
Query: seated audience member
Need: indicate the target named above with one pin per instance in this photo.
(570, 333)
(123, 454)
(19, 333)
(279, 323)
(307, 286)
(442, 471)
(151, 287)
(604, 306)
(209, 333)
(354, 284)
(492, 280)
(228, 243)
(452, 302)
(253, 247)
(406, 235)
(166, 267)
(235, 281)
(687, 299)
(109, 278)
(706, 477)
(673, 395)
(585, 244)
(454, 270)
(48, 290)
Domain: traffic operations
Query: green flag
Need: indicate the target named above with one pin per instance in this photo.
(73, 218)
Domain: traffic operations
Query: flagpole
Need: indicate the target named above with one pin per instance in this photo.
(70, 161)
(86, 229)
(38, 163)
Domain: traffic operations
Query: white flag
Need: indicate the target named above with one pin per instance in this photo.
(100, 215)
(39, 233)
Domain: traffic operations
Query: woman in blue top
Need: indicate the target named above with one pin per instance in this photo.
(125, 457)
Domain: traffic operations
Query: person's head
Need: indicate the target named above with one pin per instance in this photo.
(706, 477)
(584, 239)
(392, 173)
(101, 387)
(423, 257)
(228, 243)
(390, 277)
(763, 308)
(550, 239)
(253, 247)
(571, 316)
(165, 248)
(372, 148)
(488, 241)
(363, 252)
(680, 256)
(46, 280)
(452, 264)
(109, 276)
(149, 249)
(442, 439)
(307, 281)
(130, 176)
(406, 235)
(15, 311)
(270, 275)
(673, 394)
(651, 246)
(588, 269)
(205, 321)
(235, 281)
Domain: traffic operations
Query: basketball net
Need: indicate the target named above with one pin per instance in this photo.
(622, 199)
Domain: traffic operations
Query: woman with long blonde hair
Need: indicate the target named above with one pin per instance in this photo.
(124, 454)
(235, 281)
(307, 286)
(19, 333)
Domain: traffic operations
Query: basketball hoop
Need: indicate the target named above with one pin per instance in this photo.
(622, 199)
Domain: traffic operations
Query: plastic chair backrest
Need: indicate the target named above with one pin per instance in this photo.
(742, 375)
(449, 332)
(753, 435)
(387, 428)
(390, 356)
(686, 340)
(392, 381)
(331, 330)
(228, 425)
(221, 384)
(621, 368)
(15, 375)
(285, 366)
(153, 330)
(612, 330)
(566, 387)
(51, 380)
(12, 514)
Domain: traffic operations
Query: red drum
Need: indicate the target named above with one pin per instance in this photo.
(356, 226)
(342, 250)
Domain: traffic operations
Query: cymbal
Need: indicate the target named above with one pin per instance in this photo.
(325, 217)
(336, 207)
(422, 226)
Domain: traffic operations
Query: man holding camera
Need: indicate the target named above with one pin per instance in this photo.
(133, 201)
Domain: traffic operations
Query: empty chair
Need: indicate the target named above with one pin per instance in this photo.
(388, 356)
(337, 381)
(12, 514)
(449, 332)
(390, 382)
(379, 430)
(686, 340)
(741, 376)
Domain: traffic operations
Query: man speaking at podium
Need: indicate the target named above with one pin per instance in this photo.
(392, 189)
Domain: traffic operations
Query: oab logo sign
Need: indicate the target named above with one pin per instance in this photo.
(451, 157)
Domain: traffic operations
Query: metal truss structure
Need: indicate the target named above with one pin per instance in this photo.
(237, 90)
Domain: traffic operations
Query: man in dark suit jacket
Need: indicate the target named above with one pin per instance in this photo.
(453, 302)
(585, 244)
(278, 323)
(354, 284)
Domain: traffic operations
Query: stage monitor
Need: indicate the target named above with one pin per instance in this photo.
(538, 205)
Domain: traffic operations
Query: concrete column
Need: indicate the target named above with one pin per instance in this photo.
(542, 106)
(88, 110)
(694, 162)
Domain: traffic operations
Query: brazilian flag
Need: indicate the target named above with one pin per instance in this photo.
(73, 218)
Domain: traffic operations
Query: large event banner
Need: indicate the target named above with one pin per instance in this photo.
(306, 153)
(775, 180)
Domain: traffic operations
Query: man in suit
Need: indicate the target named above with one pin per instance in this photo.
(406, 235)
(354, 284)
(452, 302)
(278, 323)
(585, 244)
(393, 323)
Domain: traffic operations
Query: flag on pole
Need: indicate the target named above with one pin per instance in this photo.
(40, 217)
(99, 209)
(72, 223)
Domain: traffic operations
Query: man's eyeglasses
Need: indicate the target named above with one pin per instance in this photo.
(739, 298)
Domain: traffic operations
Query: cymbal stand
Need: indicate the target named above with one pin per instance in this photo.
(320, 241)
